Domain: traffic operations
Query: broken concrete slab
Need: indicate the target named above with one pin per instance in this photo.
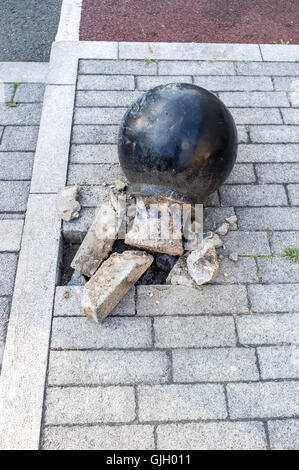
(157, 226)
(203, 264)
(223, 229)
(97, 243)
(232, 220)
(179, 274)
(66, 203)
(115, 277)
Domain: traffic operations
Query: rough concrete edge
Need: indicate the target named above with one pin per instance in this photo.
(24, 72)
(279, 52)
(69, 23)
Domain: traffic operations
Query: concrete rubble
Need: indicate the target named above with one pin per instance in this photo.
(97, 243)
(66, 203)
(116, 276)
(147, 223)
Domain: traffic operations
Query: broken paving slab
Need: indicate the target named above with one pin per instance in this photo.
(97, 243)
(157, 226)
(115, 277)
(66, 203)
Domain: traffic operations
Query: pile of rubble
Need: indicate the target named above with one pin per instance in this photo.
(112, 274)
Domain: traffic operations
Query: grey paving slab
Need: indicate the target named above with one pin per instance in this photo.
(257, 115)
(130, 437)
(212, 436)
(14, 195)
(16, 165)
(108, 367)
(277, 270)
(19, 138)
(268, 68)
(105, 405)
(273, 298)
(253, 195)
(68, 302)
(181, 402)
(99, 115)
(279, 362)
(6, 91)
(294, 98)
(274, 134)
(286, 83)
(242, 271)
(94, 174)
(281, 240)
(293, 192)
(117, 67)
(234, 83)
(94, 153)
(25, 72)
(278, 173)
(145, 83)
(26, 352)
(88, 134)
(93, 196)
(183, 67)
(24, 114)
(268, 153)
(105, 82)
(268, 99)
(10, 235)
(29, 93)
(268, 329)
(241, 174)
(263, 400)
(242, 134)
(194, 332)
(115, 333)
(213, 217)
(290, 116)
(214, 365)
(179, 300)
(247, 243)
(284, 434)
(106, 98)
(268, 218)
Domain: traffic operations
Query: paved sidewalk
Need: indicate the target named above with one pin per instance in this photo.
(172, 368)
(20, 112)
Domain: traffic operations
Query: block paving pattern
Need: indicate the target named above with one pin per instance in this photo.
(174, 367)
(20, 111)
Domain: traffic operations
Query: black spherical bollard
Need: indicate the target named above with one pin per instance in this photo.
(178, 141)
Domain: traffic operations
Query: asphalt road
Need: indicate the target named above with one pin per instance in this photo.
(27, 29)
(245, 21)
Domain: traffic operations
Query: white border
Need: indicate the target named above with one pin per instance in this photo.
(69, 24)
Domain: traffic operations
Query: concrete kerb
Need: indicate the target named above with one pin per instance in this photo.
(26, 354)
(23, 72)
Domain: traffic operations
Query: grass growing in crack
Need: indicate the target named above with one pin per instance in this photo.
(247, 61)
(16, 85)
(149, 61)
(292, 253)
(282, 42)
(12, 105)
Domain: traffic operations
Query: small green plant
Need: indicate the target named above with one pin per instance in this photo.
(282, 42)
(16, 85)
(247, 61)
(292, 253)
(12, 105)
(259, 274)
(149, 61)
(297, 61)
(211, 60)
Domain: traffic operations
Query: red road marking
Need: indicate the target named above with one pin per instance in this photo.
(225, 21)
